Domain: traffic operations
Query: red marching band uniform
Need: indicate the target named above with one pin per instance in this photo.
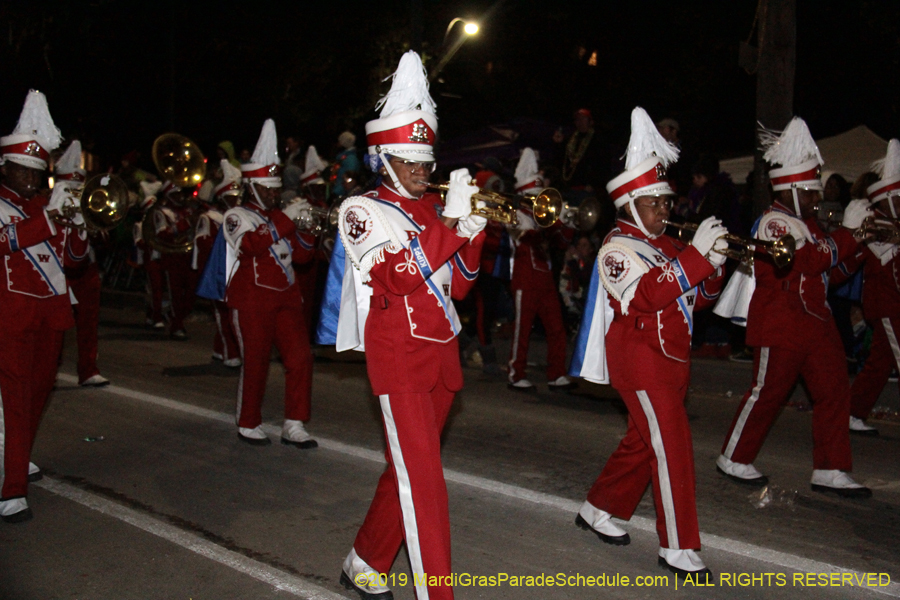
(174, 221)
(790, 325)
(34, 293)
(407, 265)
(651, 284)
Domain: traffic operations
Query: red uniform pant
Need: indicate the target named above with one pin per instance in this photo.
(182, 285)
(28, 364)
(225, 341)
(85, 285)
(411, 498)
(824, 369)
(656, 449)
(543, 303)
(256, 331)
(155, 284)
(884, 357)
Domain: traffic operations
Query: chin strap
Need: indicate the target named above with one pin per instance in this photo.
(258, 201)
(637, 220)
(890, 201)
(796, 201)
(398, 187)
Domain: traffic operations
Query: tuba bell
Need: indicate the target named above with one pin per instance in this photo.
(179, 161)
(103, 202)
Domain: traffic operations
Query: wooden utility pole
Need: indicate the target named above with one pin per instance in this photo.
(777, 41)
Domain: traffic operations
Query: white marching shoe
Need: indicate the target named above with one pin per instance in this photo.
(359, 576)
(561, 383)
(746, 474)
(294, 434)
(600, 522)
(34, 472)
(859, 427)
(684, 563)
(254, 437)
(232, 363)
(97, 380)
(522, 385)
(838, 482)
(15, 510)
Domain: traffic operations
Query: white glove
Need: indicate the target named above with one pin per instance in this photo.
(59, 197)
(524, 222)
(472, 224)
(710, 230)
(568, 216)
(296, 209)
(716, 257)
(855, 213)
(459, 196)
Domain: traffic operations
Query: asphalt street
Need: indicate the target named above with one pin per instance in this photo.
(149, 494)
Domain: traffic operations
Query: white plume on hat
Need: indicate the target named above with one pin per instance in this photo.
(70, 161)
(889, 166)
(646, 141)
(36, 121)
(314, 163)
(527, 171)
(791, 147)
(266, 151)
(409, 90)
(231, 176)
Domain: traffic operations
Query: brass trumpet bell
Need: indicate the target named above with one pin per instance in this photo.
(103, 202)
(179, 160)
(885, 231)
(781, 250)
(546, 206)
(317, 220)
(586, 214)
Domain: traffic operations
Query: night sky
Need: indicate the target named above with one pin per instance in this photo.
(118, 73)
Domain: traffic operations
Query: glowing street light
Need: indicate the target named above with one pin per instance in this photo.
(470, 28)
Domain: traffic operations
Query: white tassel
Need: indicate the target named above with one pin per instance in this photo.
(36, 121)
(374, 258)
(314, 163)
(889, 166)
(266, 152)
(230, 173)
(646, 141)
(409, 90)
(791, 147)
(527, 169)
(70, 160)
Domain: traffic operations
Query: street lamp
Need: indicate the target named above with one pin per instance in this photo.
(470, 28)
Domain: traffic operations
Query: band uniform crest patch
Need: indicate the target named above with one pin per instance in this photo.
(356, 221)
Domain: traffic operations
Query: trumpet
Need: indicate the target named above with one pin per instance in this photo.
(885, 231)
(781, 250)
(316, 220)
(583, 217)
(103, 202)
(546, 206)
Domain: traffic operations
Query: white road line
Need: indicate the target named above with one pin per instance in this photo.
(276, 578)
(751, 551)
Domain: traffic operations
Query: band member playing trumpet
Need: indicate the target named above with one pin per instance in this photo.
(653, 284)
(533, 288)
(790, 325)
(34, 295)
(264, 297)
(881, 294)
(173, 224)
(411, 255)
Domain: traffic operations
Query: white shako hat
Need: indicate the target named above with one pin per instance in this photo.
(796, 153)
(231, 181)
(167, 189)
(646, 160)
(407, 127)
(264, 167)
(149, 189)
(528, 178)
(889, 170)
(314, 167)
(34, 137)
(68, 167)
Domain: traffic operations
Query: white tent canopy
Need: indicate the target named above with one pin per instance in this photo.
(848, 154)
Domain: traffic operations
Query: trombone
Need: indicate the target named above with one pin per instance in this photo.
(781, 250)
(103, 202)
(546, 206)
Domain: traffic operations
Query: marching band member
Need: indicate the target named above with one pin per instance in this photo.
(881, 294)
(652, 285)
(312, 189)
(148, 257)
(264, 297)
(533, 288)
(410, 256)
(83, 279)
(790, 325)
(227, 192)
(174, 219)
(34, 295)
